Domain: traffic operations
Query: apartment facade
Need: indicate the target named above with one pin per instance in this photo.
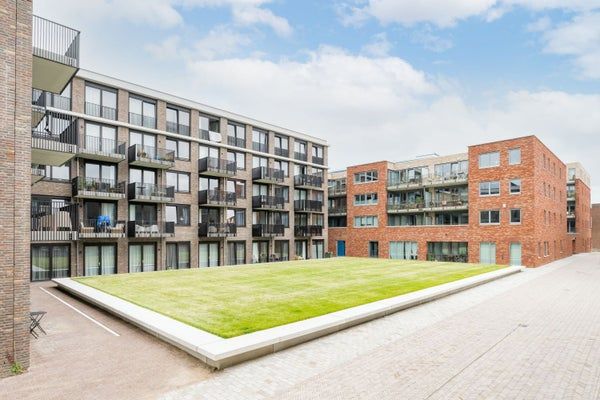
(596, 227)
(503, 202)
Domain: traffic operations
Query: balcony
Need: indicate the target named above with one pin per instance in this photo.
(308, 230)
(42, 99)
(175, 127)
(234, 141)
(412, 183)
(571, 195)
(37, 174)
(308, 181)
(300, 156)
(216, 167)
(333, 211)
(98, 110)
(55, 54)
(571, 214)
(214, 197)
(150, 229)
(94, 188)
(267, 175)
(150, 193)
(431, 181)
(53, 222)
(281, 152)
(151, 157)
(142, 120)
(210, 230)
(412, 207)
(318, 160)
(336, 191)
(54, 139)
(98, 228)
(264, 202)
(265, 230)
(95, 148)
(308, 205)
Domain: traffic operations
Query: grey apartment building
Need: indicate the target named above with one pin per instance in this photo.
(102, 176)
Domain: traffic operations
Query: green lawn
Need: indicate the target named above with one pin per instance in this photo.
(232, 301)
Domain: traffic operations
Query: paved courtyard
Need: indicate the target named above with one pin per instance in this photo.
(533, 335)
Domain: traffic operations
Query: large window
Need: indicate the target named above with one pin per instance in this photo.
(238, 158)
(281, 250)
(489, 188)
(100, 259)
(489, 217)
(365, 199)
(62, 173)
(179, 214)
(365, 177)
(143, 213)
(210, 128)
(365, 221)
(282, 146)
(317, 154)
(94, 211)
(239, 187)
(236, 135)
(179, 180)
(49, 262)
(451, 169)
(100, 101)
(447, 251)
(143, 176)
(104, 175)
(300, 150)
(180, 147)
(259, 162)
(142, 257)
(282, 166)
(178, 255)
(142, 112)
(100, 138)
(236, 253)
(146, 141)
(208, 254)
(488, 160)
(260, 140)
(403, 250)
(236, 216)
(178, 121)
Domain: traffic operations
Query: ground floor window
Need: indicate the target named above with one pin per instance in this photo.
(208, 254)
(100, 259)
(281, 251)
(236, 252)
(142, 257)
(374, 249)
(300, 246)
(403, 250)
(50, 261)
(318, 249)
(447, 251)
(487, 253)
(178, 255)
(260, 252)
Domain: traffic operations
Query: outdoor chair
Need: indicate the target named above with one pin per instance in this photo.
(36, 317)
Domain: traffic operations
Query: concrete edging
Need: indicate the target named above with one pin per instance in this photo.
(219, 353)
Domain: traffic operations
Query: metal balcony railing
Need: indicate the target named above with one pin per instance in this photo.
(308, 205)
(151, 154)
(43, 99)
(55, 42)
(98, 228)
(217, 197)
(98, 110)
(308, 230)
(150, 192)
(300, 156)
(268, 174)
(308, 180)
(267, 230)
(175, 127)
(264, 201)
(217, 165)
(92, 144)
(216, 230)
(95, 187)
(318, 160)
(336, 191)
(235, 141)
(142, 120)
(55, 130)
(52, 221)
(432, 205)
(282, 152)
(337, 210)
(150, 229)
(262, 147)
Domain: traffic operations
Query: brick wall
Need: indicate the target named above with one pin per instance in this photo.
(595, 214)
(583, 218)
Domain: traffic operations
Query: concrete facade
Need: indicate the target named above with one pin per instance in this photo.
(15, 144)
(439, 212)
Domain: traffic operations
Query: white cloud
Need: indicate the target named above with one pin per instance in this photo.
(540, 25)
(255, 15)
(379, 46)
(168, 48)
(431, 41)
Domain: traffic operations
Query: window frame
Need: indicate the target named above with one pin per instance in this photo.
(510, 152)
(489, 214)
(488, 154)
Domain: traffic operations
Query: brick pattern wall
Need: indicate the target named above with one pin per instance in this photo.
(595, 215)
(582, 240)
(15, 164)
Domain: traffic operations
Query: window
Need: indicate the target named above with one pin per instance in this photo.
(208, 254)
(403, 250)
(143, 176)
(489, 217)
(178, 121)
(571, 174)
(92, 210)
(448, 251)
(50, 261)
(236, 253)
(281, 250)
(146, 141)
(142, 112)
(281, 146)
(239, 187)
(236, 216)
(210, 128)
(178, 255)
(514, 156)
(365, 177)
(300, 150)
(488, 160)
(365, 199)
(62, 173)
(515, 186)
(143, 213)
(282, 191)
(100, 259)
(100, 138)
(515, 216)
(100, 101)
(179, 180)
(365, 221)
(317, 154)
(445, 170)
(238, 158)
(489, 188)
(179, 214)
(142, 257)
(236, 135)
(259, 162)
(260, 140)
(180, 147)
(282, 166)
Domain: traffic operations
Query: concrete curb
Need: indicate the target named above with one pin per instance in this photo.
(219, 353)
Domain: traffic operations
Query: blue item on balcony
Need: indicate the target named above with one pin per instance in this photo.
(103, 221)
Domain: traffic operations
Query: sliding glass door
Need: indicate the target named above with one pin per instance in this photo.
(100, 259)
(50, 261)
(208, 254)
(142, 257)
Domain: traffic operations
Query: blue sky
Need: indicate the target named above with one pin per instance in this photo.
(379, 79)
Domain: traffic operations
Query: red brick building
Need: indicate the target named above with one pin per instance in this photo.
(502, 202)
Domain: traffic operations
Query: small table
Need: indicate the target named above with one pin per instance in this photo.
(36, 317)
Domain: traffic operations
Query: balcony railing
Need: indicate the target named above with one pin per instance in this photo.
(268, 202)
(308, 205)
(266, 230)
(98, 110)
(430, 206)
(263, 147)
(215, 197)
(98, 188)
(54, 141)
(235, 141)
(300, 156)
(37, 173)
(150, 192)
(101, 228)
(101, 149)
(216, 230)
(282, 152)
(55, 42)
(571, 214)
(336, 191)
(53, 222)
(337, 210)
(434, 180)
(318, 160)
(571, 195)
(174, 127)
(267, 174)
(142, 120)
(150, 229)
(150, 156)
(308, 230)
(315, 181)
(216, 166)
(43, 99)
(212, 136)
